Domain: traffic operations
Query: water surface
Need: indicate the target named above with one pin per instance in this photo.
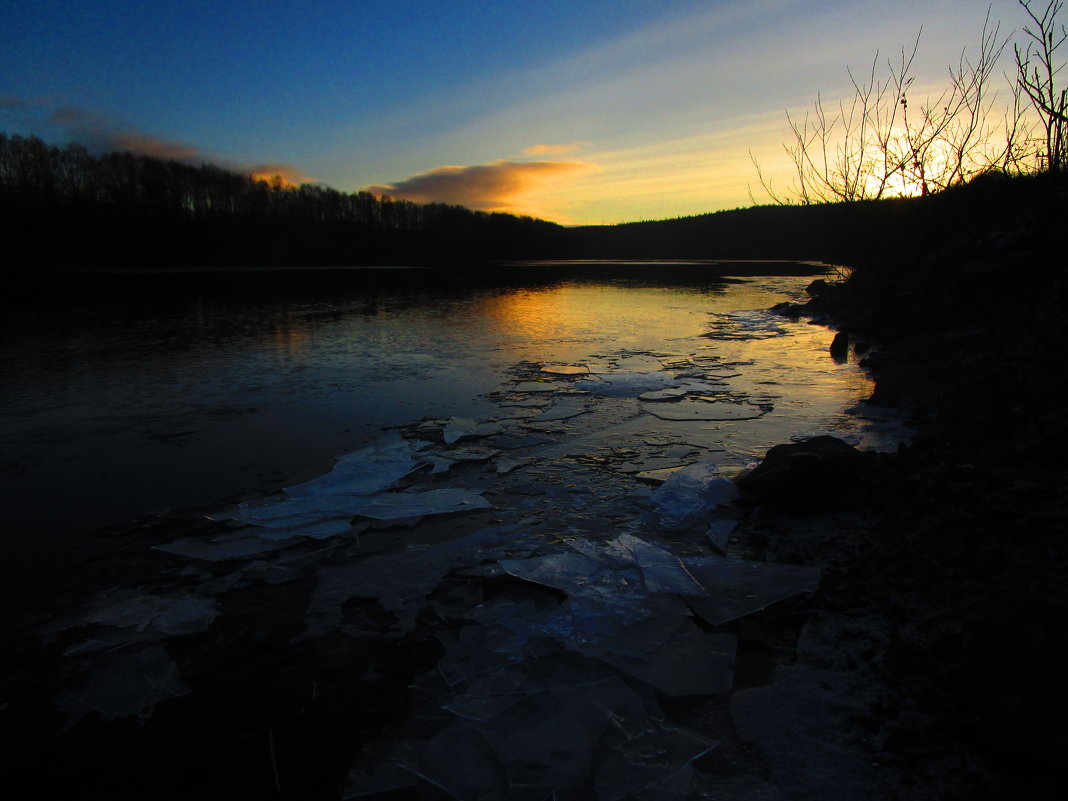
(188, 391)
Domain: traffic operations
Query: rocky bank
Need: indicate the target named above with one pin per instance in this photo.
(957, 544)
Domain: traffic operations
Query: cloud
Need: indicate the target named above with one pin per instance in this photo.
(287, 174)
(551, 150)
(501, 185)
(99, 133)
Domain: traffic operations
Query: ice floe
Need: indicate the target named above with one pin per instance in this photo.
(566, 369)
(703, 410)
(688, 495)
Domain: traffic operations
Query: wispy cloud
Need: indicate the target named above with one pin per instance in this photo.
(551, 150)
(672, 177)
(501, 185)
(100, 133)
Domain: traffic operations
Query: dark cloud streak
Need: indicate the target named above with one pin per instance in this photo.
(100, 133)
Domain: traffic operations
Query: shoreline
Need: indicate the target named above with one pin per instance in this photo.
(956, 544)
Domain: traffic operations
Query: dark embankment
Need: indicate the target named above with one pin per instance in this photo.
(959, 540)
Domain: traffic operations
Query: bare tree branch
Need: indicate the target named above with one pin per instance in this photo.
(881, 142)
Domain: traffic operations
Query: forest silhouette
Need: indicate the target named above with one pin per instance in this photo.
(71, 208)
(129, 210)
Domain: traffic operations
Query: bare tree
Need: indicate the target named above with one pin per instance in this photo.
(844, 154)
(953, 136)
(879, 144)
(1037, 70)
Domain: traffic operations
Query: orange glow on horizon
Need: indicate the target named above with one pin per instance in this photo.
(274, 179)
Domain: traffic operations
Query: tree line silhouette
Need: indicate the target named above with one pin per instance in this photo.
(69, 207)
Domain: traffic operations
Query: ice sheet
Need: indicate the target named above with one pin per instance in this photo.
(399, 580)
(663, 394)
(661, 570)
(702, 410)
(627, 385)
(692, 662)
(566, 369)
(240, 545)
(363, 472)
(316, 530)
(577, 575)
(459, 427)
(718, 532)
(652, 767)
(125, 683)
(563, 409)
(168, 615)
(737, 588)
(689, 495)
(469, 453)
(294, 512)
(397, 505)
(536, 386)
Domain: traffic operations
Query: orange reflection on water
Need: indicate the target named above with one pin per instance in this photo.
(581, 312)
(289, 340)
(537, 312)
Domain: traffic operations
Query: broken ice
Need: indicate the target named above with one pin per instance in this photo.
(566, 369)
(363, 472)
(561, 410)
(627, 385)
(689, 495)
(701, 410)
(459, 427)
(738, 588)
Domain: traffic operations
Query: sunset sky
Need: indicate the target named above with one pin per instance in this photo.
(579, 111)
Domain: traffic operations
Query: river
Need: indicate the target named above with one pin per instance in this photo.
(135, 394)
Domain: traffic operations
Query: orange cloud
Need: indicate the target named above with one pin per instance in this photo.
(288, 176)
(551, 150)
(498, 186)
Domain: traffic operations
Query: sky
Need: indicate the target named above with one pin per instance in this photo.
(577, 111)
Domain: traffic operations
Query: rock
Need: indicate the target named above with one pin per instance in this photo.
(807, 477)
(840, 347)
(817, 287)
(791, 311)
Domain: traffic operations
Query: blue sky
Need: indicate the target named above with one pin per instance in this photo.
(633, 110)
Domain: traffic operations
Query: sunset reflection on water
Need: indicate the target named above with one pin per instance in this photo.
(201, 399)
(288, 341)
(581, 312)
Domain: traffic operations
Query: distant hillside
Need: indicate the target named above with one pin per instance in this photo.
(849, 233)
